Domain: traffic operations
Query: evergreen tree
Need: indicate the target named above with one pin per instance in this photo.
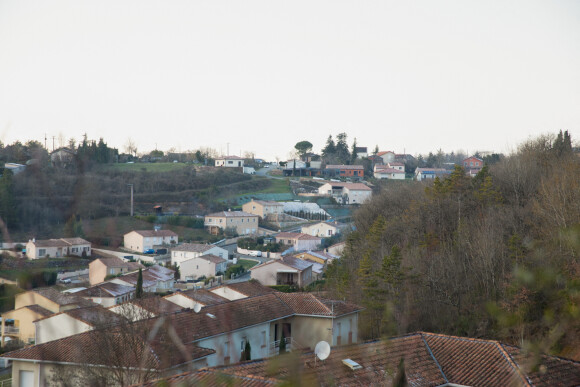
(247, 352)
(139, 290)
(7, 203)
(342, 152)
(353, 154)
(330, 149)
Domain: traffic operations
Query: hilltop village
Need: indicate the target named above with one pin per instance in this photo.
(350, 266)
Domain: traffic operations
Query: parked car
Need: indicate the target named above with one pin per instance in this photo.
(255, 253)
(149, 251)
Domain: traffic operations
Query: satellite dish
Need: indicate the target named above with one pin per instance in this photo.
(197, 307)
(322, 350)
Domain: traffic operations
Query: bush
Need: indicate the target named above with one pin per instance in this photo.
(285, 288)
(234, 269)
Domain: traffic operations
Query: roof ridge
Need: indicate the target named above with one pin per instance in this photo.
(514, 364)
(422, 335)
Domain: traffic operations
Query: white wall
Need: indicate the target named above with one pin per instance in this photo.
(57, 327)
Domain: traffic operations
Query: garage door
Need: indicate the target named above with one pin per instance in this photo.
(26, 379)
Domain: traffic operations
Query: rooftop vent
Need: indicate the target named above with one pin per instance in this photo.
(353, 365)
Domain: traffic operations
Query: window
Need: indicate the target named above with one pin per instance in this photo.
(227, 352)
(209, 220)
(42, 252)
(263, 339)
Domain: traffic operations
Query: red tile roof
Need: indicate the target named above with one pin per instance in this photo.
(429, 360)
(357, 167)
(212, 258)
(193, 247)
(211, 378)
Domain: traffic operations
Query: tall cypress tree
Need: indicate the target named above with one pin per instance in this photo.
(139, 290)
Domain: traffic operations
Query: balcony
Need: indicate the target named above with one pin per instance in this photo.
(11, 330)
(275, 346)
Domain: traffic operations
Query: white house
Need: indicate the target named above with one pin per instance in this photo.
(321, 229)
(57, 248)
(388, 173)
(207, 265)
(346, 193)
(143, 240)
(188, 251)
(229, 162)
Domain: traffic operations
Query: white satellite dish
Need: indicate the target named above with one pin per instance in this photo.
(197, 307)
(322, 350)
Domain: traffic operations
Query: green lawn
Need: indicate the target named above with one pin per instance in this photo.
(148, 167)
(246, 263)
(109, 231)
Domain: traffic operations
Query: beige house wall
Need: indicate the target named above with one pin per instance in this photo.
(199, 267)
(23, 320)
(136, 242)
(59, 326)
(32, 298)
(308, 331)
(322, 230)
(262, 210)
(244, 225)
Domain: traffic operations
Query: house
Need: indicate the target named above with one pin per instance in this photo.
(32, 305)
(286, 271)
(382, 172)
(429, 360)
(63, 157)
(346, 193)
(361, 152)
(143, 240)
(155, 279)
(229, 162)
(73, 321)
(336, 249)
(397, 165)
(298, 241)
(430, 173)
(387, 156)
(242, 223)
(263, 208)
(188, 251)
(189, 298)
(321, 229)
(18, 324)
(321, 257)
(212, 337)
(346, 170)
(100, 268)
(472, 163)
(58, 248)
(207, 265)
(144, 308)
(108, 293)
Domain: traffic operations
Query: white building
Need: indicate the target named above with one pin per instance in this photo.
(188, 251)
(229, 162)
(57, 248)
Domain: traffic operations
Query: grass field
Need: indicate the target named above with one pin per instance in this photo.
(247, 263)
(110, 231)
(147, 167)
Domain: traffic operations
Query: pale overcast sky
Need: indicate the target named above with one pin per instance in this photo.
(409, 76)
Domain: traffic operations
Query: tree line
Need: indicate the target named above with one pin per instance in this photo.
(495, 256)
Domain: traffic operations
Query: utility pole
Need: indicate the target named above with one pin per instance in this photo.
(45, 142)
(227, 154)
(53, 143)
(131, 185)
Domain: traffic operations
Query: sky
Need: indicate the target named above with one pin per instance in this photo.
(260, 76)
